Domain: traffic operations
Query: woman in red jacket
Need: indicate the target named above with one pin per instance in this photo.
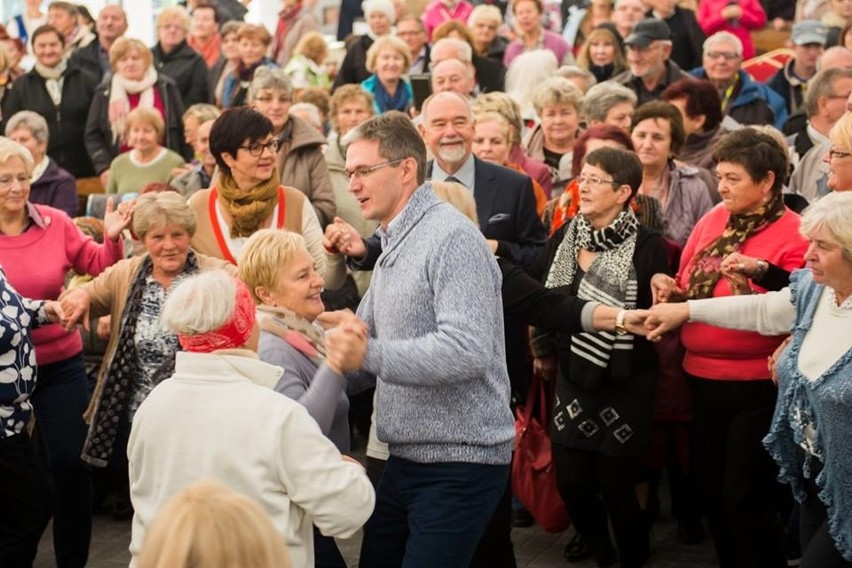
(734, 396)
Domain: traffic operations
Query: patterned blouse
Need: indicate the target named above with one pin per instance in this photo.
(17, 357)
(153, 344)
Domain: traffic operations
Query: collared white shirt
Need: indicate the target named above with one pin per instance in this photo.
(466, 174)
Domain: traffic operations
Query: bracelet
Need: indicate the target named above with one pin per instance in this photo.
(619, 322)
(762, 267)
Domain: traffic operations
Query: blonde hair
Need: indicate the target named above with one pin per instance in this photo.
(495, 117)
(485, 12)
(157, 210)
(123, 46)
(250, 31)
(584, 59)
(10, 149)
(174, 13)
(263, 255)
(501, 103)
(145, 115)
(841, 133)
(202, 112)
(557, 91)
(313, 46)
(832, 213)
(386, 42)
(208, 525)
(458, 196)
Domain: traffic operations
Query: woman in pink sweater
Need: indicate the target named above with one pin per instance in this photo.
(740, 17)
(733, 394)
(38, 245)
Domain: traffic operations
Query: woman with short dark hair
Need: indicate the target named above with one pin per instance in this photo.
(247, 195)
(701, 108)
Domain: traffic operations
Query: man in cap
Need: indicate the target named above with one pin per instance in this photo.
(807, 42)
(649, 48)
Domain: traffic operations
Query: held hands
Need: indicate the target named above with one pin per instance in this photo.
(342, 237)
(54, 312)
(738, 268)
(665, 317)
(117, 219)
(731, 12)
(346, 345)
(75, 306)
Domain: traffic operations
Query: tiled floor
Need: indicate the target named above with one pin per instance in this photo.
(533, 548)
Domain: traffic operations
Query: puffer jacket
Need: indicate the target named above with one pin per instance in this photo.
(187, 69)
(301, 165)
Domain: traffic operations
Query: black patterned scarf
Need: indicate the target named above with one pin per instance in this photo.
(120, 373)
(705, 267)
(611, 279)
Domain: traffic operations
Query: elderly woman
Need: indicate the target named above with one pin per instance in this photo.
(194, 117)
(138, 355)
(733, 396)
(38, 245)
(24, 489)
(810, 428)
(299, 158)
(50, 185)
(380, 16)
(557, 102)
(839, 156)
(739, 18)
(247, 195)
(524, 78)
(658, 134)
(278, 270)
(531, 34)
(228, 61)
(134, 83)
(305, 68)
(253, 46)
(699, 103)
(605, 382)
(564, 207)
(147, 161)
(506, 106)
(175, 59)
(602, 53)
(388, 60)
(59, 91)
(284, 462)
(609, 103)
(484, 21)
(492, 142)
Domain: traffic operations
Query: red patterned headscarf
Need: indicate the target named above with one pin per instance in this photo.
(232, 334)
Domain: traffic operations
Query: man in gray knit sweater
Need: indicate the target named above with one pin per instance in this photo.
(435, 315)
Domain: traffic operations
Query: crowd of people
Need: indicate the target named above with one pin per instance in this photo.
(305, 253)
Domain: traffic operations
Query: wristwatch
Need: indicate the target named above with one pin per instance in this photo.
(619, 323)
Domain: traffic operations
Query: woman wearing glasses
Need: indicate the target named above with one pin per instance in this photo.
(247, 195)
(605, 382)
(300, 159)
(839, 157)
(733, 395)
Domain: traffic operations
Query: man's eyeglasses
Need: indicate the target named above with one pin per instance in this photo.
(596, 181)
(256, 148)
(363, 171)
(726, 55)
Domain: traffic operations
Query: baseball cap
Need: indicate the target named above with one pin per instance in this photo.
(809, 31)
(648, 30)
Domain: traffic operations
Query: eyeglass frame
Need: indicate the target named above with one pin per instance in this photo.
(364, 171)
(834, 153)
(596, 181)
(8, 185)
(273, 145)
(726, 55)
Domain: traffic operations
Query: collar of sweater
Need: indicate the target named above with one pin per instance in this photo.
(421, 201)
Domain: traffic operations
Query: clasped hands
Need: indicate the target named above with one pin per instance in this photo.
(345, 340)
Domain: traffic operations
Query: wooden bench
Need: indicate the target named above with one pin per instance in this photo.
(85, 188)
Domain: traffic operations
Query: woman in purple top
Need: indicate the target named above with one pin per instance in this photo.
(531, 34)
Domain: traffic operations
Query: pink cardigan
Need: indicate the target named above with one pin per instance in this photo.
(717, 353)
(37, 261)
(436, 14)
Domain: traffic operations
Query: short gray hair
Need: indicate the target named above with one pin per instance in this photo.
(557, 91)
(312, 112)
(269, 78)
(572, 72)
(200, 303)
(463, 49)
(156, 210)
(720, 37)
(10, 149)
(833, 214)
(822, 85)
(30, 120)
(397, 138)
(602, 97)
